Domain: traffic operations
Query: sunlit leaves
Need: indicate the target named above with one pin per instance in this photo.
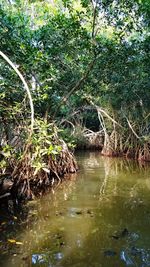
(43, 142)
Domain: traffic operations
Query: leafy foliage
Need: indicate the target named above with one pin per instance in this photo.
(72, 52)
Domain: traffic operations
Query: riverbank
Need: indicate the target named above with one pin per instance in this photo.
(104, 206)
(23, 181)
(114, 145)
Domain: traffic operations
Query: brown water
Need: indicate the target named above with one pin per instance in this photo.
(100, 217)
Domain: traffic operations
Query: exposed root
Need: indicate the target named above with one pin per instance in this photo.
(89, 140)
(112, 145)
(115, 145)
(144, 153)
(27, 182)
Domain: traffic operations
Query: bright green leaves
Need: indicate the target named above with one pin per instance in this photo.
(5, 155)
(44, 145)
(6, 151)
(38, 166)
(54, 150)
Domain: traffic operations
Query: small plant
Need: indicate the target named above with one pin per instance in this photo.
(44, 145)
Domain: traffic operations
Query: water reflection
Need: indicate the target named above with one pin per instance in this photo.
(45, 259)
(135, 256)
(39, 258)
(99, 217)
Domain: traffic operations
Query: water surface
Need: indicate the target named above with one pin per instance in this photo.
(99, 217)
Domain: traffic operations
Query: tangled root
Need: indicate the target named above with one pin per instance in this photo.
(28, 183)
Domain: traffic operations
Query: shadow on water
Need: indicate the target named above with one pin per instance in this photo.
(99, 218)
(14, 219)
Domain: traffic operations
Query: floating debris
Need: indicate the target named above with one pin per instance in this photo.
(79, 212)
(13, 241)
(122, 234)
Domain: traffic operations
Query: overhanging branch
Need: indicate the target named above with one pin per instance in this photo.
(25, 85)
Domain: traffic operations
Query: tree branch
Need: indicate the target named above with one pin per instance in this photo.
(94, 3)
(130, 126)
(25, 85)
(77, 85)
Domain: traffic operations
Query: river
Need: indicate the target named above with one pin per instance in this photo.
(99, 217)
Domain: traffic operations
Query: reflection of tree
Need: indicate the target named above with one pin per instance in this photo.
(116, 171)
(110, 177)
(120, 186)
(66, 188)
(71, 225)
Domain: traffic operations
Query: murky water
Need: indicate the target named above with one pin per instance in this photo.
(100, 217)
